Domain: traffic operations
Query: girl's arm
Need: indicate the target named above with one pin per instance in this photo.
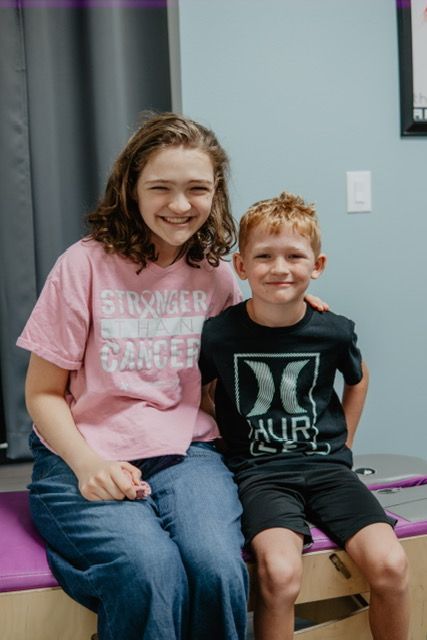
(353, 400)
(316, 303)
(99, 479)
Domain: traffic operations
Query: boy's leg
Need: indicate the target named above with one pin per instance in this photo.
(279, 567)
(275, 526)
(199, 507)
(379, 555)
(350, 514)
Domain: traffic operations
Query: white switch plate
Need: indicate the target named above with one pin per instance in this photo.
(359, 191)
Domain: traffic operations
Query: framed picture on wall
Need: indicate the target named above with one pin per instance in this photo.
(412, 34)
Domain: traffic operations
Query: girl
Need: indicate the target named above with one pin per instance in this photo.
(113, 388)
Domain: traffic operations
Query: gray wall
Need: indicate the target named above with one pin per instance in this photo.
(301, 91)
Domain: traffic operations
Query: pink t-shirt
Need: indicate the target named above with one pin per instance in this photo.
(131, 342)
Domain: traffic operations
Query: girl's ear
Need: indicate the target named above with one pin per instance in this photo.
(239, 266)
(319, 266)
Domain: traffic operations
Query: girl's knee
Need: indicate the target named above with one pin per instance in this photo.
(149, 566)
(215, 567)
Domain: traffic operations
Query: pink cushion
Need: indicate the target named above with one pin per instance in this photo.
(23, 563)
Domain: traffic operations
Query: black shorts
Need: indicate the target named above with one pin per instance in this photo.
(327, 495)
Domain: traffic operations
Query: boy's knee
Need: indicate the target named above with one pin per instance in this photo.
(390, 572)
(279, 577)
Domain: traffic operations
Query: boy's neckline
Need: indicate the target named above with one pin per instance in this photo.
(275, 323)
(308, 312)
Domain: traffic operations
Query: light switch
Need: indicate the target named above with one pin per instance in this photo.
(359, 193)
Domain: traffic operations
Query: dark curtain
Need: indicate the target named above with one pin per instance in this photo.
(73, 81)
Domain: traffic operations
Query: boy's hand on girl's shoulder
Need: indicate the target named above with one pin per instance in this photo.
(316, 303)
(112, 480)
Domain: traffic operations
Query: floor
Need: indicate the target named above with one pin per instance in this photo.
(15, 477)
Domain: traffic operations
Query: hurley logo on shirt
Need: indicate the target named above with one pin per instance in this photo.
(275, 394)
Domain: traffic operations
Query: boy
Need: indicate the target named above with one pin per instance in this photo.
(288, 436)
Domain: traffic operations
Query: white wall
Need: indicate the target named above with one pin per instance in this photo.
(299, 92)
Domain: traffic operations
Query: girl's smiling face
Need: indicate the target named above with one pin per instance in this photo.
(175, 191)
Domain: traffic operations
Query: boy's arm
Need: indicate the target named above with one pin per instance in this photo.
(207, 403)
(208, 370)
(353, 400)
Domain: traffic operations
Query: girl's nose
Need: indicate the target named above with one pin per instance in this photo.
(179, 203)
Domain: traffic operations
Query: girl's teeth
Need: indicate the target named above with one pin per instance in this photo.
(177, 220)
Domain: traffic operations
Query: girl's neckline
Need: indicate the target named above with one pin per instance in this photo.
(170, 267)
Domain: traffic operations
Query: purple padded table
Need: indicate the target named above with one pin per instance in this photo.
(405, 526)
(380, 470)
(24, 567)
(32, 605)
(23, 563)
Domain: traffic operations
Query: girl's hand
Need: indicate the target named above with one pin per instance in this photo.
(111, 480)
(316, 303)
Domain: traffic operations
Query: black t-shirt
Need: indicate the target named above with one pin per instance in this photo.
(275, 393)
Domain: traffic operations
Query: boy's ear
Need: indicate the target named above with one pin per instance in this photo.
(239, 266)
(319, 266)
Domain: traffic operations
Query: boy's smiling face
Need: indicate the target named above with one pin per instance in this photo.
(278, 267)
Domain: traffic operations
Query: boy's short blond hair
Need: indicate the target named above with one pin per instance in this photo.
(273, 213)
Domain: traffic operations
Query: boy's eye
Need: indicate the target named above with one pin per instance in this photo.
(262, 256)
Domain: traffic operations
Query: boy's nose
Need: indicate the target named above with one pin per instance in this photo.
(179, 203)
(280, 265)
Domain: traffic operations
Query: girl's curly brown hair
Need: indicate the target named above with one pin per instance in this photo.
(117, 222)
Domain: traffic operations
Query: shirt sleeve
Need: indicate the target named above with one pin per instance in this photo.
(58, 327)
(351, 361)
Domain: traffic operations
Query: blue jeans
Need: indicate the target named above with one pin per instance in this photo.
(165, 568)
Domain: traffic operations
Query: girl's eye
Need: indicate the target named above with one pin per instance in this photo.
(158, 187)
(199, 189)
